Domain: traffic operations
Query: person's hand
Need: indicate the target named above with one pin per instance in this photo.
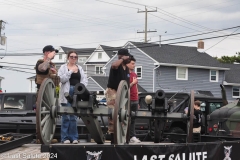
(54, 71)
(135, 81)
(51, 55)
(125, 57)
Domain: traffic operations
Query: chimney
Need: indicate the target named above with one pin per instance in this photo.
(159, 40)
(200, 47)
(200, 44)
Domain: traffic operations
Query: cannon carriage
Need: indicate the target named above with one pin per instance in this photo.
(85, 106)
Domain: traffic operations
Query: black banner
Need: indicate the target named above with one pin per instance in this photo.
(195, 151)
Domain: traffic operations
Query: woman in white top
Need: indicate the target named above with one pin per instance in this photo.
(70, 74)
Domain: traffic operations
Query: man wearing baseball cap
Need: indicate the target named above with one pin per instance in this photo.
(118, 71)
(44, 67)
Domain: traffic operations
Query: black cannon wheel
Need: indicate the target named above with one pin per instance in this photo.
(191, 114)
(45, 120)
(121, 114)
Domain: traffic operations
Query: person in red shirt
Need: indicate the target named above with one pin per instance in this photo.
(133, 98)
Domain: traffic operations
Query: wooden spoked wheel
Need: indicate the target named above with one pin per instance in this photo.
(45, 112)
(121, 115)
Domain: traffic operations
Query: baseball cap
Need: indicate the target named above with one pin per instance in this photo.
(123, 52)
(49, 48)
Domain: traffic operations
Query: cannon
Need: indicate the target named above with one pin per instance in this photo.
(158, 113)
(85, 107)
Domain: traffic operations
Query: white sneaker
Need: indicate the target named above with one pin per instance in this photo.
(134, 140)
(66, 142)
(75, 142)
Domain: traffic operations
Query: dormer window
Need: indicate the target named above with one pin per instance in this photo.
(60, 56)
(99, 55)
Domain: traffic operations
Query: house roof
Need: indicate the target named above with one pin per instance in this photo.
(103, 80)
(183, 55)
(233, 75)
(33, 77)
(109, 50)
(80, 51)
(95, 62)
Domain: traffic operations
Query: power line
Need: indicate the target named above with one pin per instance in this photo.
(144, 45)
(205, 38)
(17, 70)
(170, 15)
(201, 33)
(17, 64)
(221, 40)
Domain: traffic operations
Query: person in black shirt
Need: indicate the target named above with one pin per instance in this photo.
(197, 119)
(118, 71)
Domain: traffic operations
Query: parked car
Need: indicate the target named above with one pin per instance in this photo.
(18, 114)
(103, 101)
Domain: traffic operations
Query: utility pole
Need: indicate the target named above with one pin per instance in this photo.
(146, 31)
(2, 38)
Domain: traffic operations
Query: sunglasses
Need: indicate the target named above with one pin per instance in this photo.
(72, 57)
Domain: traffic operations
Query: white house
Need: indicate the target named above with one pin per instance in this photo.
(1, 78)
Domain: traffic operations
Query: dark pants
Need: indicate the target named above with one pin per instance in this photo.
(133, 108)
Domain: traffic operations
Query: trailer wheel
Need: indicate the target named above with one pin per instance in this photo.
(176, 130)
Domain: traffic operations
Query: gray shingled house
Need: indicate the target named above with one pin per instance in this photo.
(99, 84)
(232, 81)
(101, 55)
(175, 68)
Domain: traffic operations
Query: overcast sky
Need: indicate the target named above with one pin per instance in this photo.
(32, 24)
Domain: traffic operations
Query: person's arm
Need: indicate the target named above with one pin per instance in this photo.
(44, 66)
(64, 76)
(118, 62)
(135, 81)
(84, 79)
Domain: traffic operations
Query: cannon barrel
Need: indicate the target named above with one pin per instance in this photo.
(68, 97)
(81, 92)
(160, 101)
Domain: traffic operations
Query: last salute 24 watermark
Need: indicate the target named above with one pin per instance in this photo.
(28, 155)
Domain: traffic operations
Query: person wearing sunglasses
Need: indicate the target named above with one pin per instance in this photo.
(70, 74)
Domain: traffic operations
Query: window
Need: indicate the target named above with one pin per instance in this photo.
(213, 76)
(129, 48)
(138, 71)
(99, 55)
(214, 105)
(99, 70)
(182, 73)
(14, 102)
(60, 56)
(236, 92)
(82, 59)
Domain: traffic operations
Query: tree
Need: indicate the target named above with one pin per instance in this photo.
(229, 59)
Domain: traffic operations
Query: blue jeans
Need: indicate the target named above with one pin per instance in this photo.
(69, 123)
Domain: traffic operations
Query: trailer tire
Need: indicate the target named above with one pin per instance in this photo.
(176, 130)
